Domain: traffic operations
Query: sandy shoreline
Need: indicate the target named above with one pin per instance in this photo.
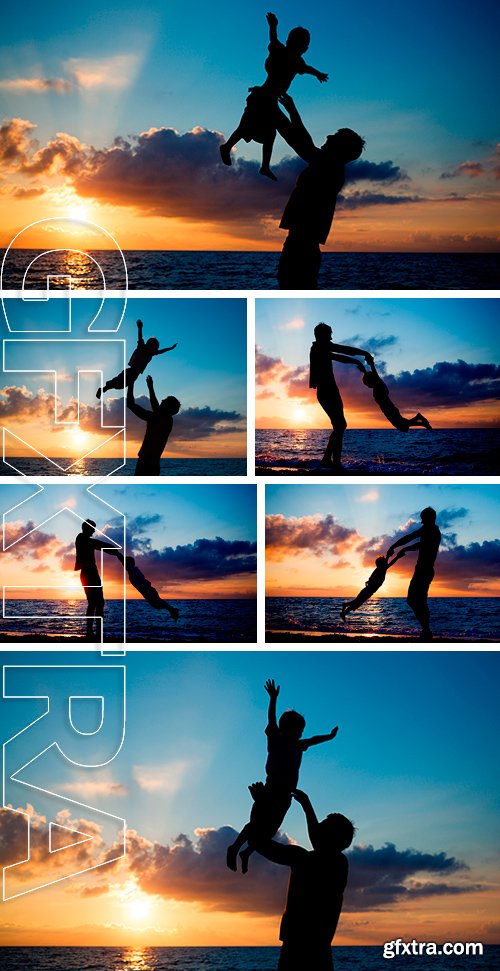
(290, 637)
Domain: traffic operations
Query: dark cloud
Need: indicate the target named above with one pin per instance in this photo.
(192, 871)
(362, 169)
(205, 559)
(449, 383)
(15, 142)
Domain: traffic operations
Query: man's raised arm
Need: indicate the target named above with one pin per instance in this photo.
(294, 131)
(131, 403)
(311, 818)
(404, 540)
(273, 691)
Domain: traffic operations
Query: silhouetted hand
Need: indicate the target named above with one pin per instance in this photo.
(390, 551)
(360, 367)
(272, 689)
(287, 101)
(272, 19)
(256, 790)
(334, 731)
(140, 323)
(322, 77)
(301, 796)
(149, 381)
(369, 357)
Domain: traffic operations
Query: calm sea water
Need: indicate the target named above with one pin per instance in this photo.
(383, 451)
(221, 959)
(199, 620)
(180, 270)
(465, 618)
(100, 467)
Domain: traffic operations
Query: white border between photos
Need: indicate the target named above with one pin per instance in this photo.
(250, 296)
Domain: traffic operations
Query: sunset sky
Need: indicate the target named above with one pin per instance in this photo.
(193, 541)
(420, 791)
(115, 114)
(436, 356)
(206, 371)
(324, 541)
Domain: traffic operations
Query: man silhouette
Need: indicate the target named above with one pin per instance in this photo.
(315, 890)
(86, 547)
(310, 209)
(429, 538)
(159, 423)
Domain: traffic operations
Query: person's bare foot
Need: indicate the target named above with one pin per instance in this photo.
(232, 858)
(174, 613)
(225, 153)
(267, 172)
(425, 423)
(98, 393)
(244, 860)
(342, 613)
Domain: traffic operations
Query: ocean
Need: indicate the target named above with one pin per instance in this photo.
(461, 618)
(101, 467)
(199, 620)
(214, 270)
(382, 451)
(222, 959)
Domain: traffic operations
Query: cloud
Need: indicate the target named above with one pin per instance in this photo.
(372, 495)
(168, 778)
(36, 85)
(381, 877)
(315, 534)
(97, 787)
(472, 169)
(117, 71)
(38, 546)
(205, 559)
(15, 142)
(449, 383)
(172, 174)
(296, 324)
(14, 842)
(194, 871)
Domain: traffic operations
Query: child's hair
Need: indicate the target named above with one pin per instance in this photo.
(338, 830)
(299, 38)
(369, 379)
(380, 561)
(171, 404)
(88, 523)
(291, 723)
(153, 343)
(323, 331)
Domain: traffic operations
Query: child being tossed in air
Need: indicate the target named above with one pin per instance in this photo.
(138, 363)
(285, 747)
(374, 582)
(258, 121)
(380, 390)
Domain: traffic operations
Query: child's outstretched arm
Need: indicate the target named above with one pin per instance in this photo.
(315, 73)
(408, 549)
(318, 739)
(140, 338)
(163, 350)
(273, 27)
(404, 540)
(273, 691)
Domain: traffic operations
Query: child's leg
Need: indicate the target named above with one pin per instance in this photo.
(267, 149)
(225, 148)
(232, 851)
(423, 421)
(118, 383)
(361, 598)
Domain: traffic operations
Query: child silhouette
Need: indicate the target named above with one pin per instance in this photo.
(374, 582)
(380, 390)
(285, 747)
(139, 361)
(258, 121)
(145, 587)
